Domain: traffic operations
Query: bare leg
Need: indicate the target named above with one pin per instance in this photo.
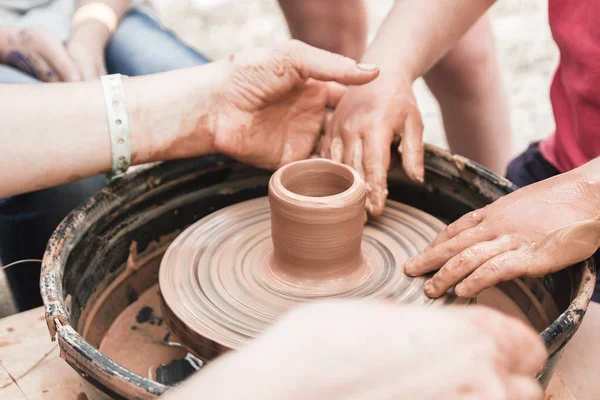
(339, 26)
(473, 102)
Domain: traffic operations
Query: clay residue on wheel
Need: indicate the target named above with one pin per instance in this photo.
(139, 339)
(121, 288)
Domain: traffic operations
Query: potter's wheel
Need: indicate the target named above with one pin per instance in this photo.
(220, 289)
(105, 257)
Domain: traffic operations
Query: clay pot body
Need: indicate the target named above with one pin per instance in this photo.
(317, 219)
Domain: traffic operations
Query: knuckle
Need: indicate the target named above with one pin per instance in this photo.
(452, 229)
(453, 244)
(493, 269)
(348, 128)
(510, 240)
(476, 216)
(468, 256)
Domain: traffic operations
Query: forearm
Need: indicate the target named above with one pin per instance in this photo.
(416, 34)
(56, 133)
(339, 26)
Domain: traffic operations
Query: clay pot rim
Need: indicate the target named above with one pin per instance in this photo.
(340, 200)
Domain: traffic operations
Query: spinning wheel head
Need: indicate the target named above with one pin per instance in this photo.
(232, 274)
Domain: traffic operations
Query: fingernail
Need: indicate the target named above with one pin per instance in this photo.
(408, 267)
(459, 290)
(366, 67)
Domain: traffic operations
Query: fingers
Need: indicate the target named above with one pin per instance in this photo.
(423, 262)
(56, 55)
(503, 267)
(433, 258)
(353, 154)
(465, 222)
(520, 387)
(335, 91)
(336, 150)
(324, 143)
(463, 264)
(85, 64)
(326, 66)
(41, 69)
(411, 145)
(376, 162)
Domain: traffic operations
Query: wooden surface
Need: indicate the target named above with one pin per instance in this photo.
(28, 355)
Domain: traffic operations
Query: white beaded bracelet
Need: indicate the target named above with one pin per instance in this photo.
(118, 124)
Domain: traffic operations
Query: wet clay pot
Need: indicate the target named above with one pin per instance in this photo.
(106, 253)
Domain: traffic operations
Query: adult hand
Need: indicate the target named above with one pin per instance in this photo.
(367, 350)
(39, 54)
(362, 128)
(271, 106)
(86, 47)
(533, 231)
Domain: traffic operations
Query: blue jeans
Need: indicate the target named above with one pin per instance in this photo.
(139, 46)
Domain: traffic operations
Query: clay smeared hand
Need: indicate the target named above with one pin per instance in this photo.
(362, 128)
(534, 231)
(37, 53)
(86, 47)
(374, 350)
(272, 107)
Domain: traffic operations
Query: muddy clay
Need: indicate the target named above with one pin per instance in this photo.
(140, 341)
(234, 273)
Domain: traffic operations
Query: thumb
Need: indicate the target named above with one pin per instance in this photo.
(326, 66)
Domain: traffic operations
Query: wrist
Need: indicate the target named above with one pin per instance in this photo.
(91, 33)
(170, 115)
(392, 68)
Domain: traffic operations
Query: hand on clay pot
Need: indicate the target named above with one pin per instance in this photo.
(376, 350)
(271, 107)
(36, 52)
(533, 231)
(362, 128)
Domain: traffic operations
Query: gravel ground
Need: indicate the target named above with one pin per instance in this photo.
(527, 55)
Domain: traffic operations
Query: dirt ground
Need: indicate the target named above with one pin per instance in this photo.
(526, 51)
